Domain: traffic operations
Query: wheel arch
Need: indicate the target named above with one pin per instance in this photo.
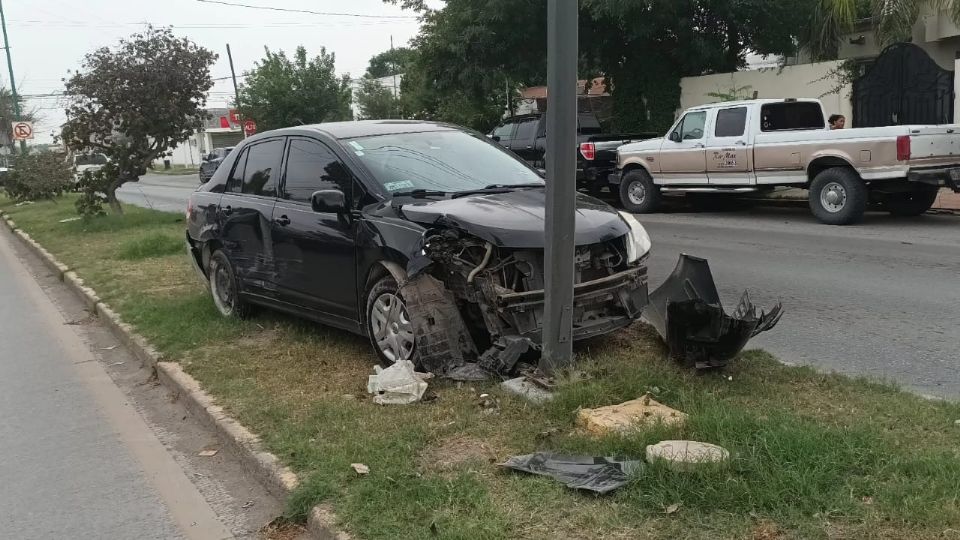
(824, 162)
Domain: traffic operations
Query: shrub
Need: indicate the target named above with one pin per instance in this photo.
(42, 175)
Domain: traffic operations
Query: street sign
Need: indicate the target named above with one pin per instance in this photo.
(22, 131)
(249, 127)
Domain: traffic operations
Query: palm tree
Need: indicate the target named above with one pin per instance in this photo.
(893, 21)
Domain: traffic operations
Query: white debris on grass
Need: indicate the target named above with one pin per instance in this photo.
(398, 384)
(686, 455)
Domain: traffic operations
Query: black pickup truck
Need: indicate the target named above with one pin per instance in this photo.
(526, 136)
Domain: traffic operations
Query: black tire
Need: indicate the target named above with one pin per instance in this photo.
(225, 288)
(912, 203)
(638, 193)
(838, 196)
(383, 287)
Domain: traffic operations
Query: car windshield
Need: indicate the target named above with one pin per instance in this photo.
(444, 161)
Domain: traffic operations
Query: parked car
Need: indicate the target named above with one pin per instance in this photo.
(211, 162)
(526, 136)
(425, 237)
(760, 144)
(87, 162)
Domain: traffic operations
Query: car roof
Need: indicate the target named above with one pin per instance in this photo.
(368, 128)
(751, 102)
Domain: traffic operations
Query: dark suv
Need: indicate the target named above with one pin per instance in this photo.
(212, 161)
(425, 237)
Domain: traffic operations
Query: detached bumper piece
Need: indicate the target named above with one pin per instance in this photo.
(687, 313)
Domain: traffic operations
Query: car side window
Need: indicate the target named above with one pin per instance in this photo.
(505, 131)
(312, 166)
(235, 182)
(526, 130)
(692, 126)
(262, 172)
(731, 122)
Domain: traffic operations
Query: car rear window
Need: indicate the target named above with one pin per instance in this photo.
(731, 122)
(791, 116)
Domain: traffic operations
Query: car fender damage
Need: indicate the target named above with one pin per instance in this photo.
(687, 313)
(477, 308)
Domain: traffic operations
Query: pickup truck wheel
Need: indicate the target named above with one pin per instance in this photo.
(912, 203)
(638, 193)
(838, 196)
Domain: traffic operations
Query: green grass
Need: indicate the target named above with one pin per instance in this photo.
(813, 455)
(176, 170)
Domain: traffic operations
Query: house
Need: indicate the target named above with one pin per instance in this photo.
(221, 129)
(905, 84)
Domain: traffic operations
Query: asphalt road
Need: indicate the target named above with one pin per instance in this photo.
(160, 192)
(880, 299)
(78, 461)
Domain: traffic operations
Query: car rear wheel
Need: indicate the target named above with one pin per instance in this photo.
(638, 193)
(224, 287)
(912, 203)
(388, 323)
(838, 196)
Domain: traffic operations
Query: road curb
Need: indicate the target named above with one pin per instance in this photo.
(265, 466)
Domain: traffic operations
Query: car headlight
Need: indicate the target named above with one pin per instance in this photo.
(638, 241)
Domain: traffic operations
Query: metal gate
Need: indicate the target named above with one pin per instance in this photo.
(903, 86)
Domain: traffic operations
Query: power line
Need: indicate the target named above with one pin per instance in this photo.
(290, 10)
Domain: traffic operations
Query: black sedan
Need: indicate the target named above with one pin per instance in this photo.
(426, 237)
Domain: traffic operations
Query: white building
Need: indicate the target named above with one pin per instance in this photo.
(220, 130)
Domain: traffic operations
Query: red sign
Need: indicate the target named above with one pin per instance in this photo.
(234, 116)
(249, 127)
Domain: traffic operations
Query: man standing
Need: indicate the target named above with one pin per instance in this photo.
(837, 121)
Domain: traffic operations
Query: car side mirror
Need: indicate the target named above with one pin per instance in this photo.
(329, 201)
(495, 138)
(675, 136)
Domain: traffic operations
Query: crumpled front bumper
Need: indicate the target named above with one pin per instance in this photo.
(599, 306)
(687, 313)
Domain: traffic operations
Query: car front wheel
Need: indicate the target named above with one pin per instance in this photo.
(388, 323)
(224, 287)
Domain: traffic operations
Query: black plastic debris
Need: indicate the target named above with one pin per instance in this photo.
(597, 474)
(687, 313)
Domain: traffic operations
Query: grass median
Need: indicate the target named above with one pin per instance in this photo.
(813, 455)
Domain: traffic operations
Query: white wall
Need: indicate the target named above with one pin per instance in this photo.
(800, 81)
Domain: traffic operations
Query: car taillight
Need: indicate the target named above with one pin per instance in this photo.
(903, 148)
(588, 150)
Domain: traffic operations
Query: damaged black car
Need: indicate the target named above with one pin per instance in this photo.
(425, 237)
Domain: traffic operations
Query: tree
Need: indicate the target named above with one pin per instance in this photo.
(390, 62)
(892, 20)
(472, 54)
(280, 92)
(133, 103)
(376, 101)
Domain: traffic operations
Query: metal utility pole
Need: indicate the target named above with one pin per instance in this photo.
(561, 158)
(236, 93)
(13, 84)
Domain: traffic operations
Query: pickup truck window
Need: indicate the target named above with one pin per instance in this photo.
(791, 116)
(730, 122)
(526, 130)
(690, 128)
(505, 132)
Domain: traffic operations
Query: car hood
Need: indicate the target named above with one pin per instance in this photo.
(642, 146)
(516, 219)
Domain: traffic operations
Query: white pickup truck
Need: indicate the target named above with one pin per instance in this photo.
(757, 145)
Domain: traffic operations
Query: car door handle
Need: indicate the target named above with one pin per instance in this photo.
(227, 210)
(698, 145)
(282, 221)
(741, 143)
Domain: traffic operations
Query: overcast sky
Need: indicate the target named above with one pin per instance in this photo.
(50, 37)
